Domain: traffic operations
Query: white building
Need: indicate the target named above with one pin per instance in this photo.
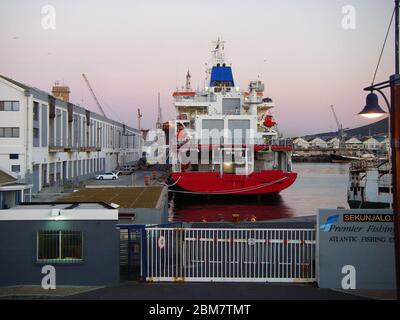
(354, 144)
(372, 144)
(333, 143)
(318, 143)
(384, 143)
(300, 143)
(47, 140)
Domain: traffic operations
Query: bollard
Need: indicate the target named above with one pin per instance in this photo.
(146, 180)
(154, 175)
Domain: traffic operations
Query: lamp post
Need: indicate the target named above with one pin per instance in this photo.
(373, 110)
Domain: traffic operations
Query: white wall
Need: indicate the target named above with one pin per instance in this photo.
(29, 155)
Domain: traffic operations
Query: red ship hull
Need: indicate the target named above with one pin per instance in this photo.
(262, 182)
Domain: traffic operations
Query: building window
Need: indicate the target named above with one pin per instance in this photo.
(36, 111)
(9, 105)
(15, 168)
(59, 246)
(14, 156)
(36, 133)
(9, 132)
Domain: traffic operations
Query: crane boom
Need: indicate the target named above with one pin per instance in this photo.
(342, 134)
(139, 115)
(339, 125)
(93, 95)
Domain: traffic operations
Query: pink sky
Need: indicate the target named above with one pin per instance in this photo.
(130, 50)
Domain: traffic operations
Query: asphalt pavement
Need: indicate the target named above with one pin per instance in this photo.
(213, 291)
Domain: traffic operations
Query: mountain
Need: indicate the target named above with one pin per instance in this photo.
(378, 128)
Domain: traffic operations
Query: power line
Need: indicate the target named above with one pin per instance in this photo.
(383, 47)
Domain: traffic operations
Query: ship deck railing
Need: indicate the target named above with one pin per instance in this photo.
(369, 164)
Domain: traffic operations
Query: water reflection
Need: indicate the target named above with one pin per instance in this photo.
(202, 208)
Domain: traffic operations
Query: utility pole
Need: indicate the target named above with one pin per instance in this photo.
(395, 143)
(373, 110)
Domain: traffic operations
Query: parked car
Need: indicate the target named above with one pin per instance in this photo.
(107, 176)
(127, 169)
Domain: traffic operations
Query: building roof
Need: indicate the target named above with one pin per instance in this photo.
(42, 211)
(355, 138)
(298, 138)
(63, 205)
(367, 138)
(314, 138)
(6, 178)
(327, 139)
(381, 138)
(125, 197)
(40, 94)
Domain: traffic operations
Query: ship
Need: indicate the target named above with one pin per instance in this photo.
(249, 155)
(341, 158)
(370, 184)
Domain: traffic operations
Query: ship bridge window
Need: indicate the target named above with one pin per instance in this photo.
(231, 106)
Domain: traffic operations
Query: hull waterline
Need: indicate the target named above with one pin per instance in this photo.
(257, 183)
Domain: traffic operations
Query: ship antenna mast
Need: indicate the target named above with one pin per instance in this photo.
(159, 116)
(218, 52)
(188, 86)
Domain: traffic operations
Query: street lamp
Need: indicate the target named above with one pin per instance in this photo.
(372, 110)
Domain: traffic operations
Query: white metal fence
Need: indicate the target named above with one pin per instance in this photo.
(259, 255)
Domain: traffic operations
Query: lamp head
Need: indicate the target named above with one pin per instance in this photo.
(372, 110)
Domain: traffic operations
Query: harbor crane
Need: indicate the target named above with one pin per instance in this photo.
(94, 96)
(340, 131)
(159, 116)
(139, 115)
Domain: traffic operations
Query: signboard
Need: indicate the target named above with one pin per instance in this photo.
(355, 249)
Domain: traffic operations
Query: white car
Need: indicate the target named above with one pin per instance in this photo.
(107, 176)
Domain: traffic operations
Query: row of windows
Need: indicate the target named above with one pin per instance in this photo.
(9, 105)
(9, 132)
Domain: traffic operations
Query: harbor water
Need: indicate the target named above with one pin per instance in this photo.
(318, 185)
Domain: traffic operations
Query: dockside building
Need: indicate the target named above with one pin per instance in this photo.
(46, 140)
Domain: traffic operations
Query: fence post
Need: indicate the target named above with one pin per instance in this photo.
(143, 247)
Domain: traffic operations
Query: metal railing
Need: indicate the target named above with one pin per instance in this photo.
(247, 255)
(196, 99)
(370, 163)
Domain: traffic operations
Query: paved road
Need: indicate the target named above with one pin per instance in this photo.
(214, 291)
(136, 179)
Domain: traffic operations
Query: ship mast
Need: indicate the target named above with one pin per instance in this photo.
(188, 86)
(159, 116)
(218, 52)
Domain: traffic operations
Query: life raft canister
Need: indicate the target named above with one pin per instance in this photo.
(269, 121)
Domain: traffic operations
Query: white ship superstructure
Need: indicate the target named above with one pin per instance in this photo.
(246, 127)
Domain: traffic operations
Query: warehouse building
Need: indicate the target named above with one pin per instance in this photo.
(80, 240)
(46, 140)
